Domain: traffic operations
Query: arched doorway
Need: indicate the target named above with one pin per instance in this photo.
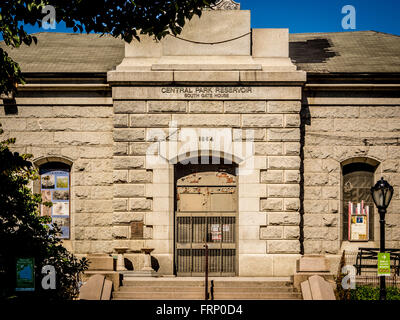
(205, 212)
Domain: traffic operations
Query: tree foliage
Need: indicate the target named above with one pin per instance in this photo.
(23, 233)
(127, 19)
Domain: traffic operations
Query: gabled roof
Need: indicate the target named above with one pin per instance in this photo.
(342, 52)
(69, 52)
(347, 52)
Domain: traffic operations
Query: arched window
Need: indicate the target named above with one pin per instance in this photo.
(55, 188)
(358, 178)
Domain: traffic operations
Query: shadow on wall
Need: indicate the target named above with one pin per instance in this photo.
(311, 51)
(128, 264)
(154, 264)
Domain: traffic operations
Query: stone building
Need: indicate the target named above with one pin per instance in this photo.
(289, 129)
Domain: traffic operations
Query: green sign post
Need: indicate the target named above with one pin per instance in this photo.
(25, 274)
(383, 264)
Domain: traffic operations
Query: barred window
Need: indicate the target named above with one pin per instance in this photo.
(358, 178)
(55, 188)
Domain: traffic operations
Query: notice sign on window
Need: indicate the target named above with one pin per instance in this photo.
(216, 234)
(358, 222)
(25, 275)
(359, 228)
(384, 264)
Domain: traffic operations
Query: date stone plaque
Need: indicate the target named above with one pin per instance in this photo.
(137, 230)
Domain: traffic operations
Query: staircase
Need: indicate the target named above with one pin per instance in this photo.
(193, 289)
(256, 289)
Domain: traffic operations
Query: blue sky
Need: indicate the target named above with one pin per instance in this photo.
(302, 16)
(324, 15)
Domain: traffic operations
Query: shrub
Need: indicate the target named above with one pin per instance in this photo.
(372, 293)
(23, 233)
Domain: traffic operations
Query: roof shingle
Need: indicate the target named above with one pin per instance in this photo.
(342, 52)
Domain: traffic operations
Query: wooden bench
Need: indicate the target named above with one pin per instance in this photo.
(371, 254)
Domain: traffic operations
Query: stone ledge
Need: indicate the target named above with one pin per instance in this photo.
(139, 76)
(206, 67)
(263, 76)
(208, 73)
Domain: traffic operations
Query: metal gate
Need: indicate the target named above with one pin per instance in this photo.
(206, 212)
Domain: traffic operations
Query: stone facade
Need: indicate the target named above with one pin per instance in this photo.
(80, 135)
(117, 137)
(361, 128)
(212, 99)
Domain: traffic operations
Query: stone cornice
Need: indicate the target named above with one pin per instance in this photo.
(204, 77)
(64, 87)
(352, 86)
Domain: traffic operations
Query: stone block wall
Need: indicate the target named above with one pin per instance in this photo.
(82, 136)
(367, 128)
(268, 197)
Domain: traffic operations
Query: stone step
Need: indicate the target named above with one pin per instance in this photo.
(161, 289)
(258, 296)
(253, 289)
(251, 284)
(201, 289)
(193, 289)
(200, 283)
(200, 296)
(158, 296)
(159, 283)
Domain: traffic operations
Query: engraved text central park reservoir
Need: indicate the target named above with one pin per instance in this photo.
(206, 92)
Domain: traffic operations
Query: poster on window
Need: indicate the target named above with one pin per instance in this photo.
(60, 195)
(63, 224)
(358, 222)
(45, 210)
(61, 209)
(46, 197)
(62, 182)
(48, 181)
(216, 234)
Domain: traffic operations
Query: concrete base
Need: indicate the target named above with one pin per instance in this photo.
(300, 277)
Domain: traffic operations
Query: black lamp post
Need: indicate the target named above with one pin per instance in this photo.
(382, 193)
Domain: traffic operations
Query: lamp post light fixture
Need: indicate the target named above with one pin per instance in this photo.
(382, 193)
